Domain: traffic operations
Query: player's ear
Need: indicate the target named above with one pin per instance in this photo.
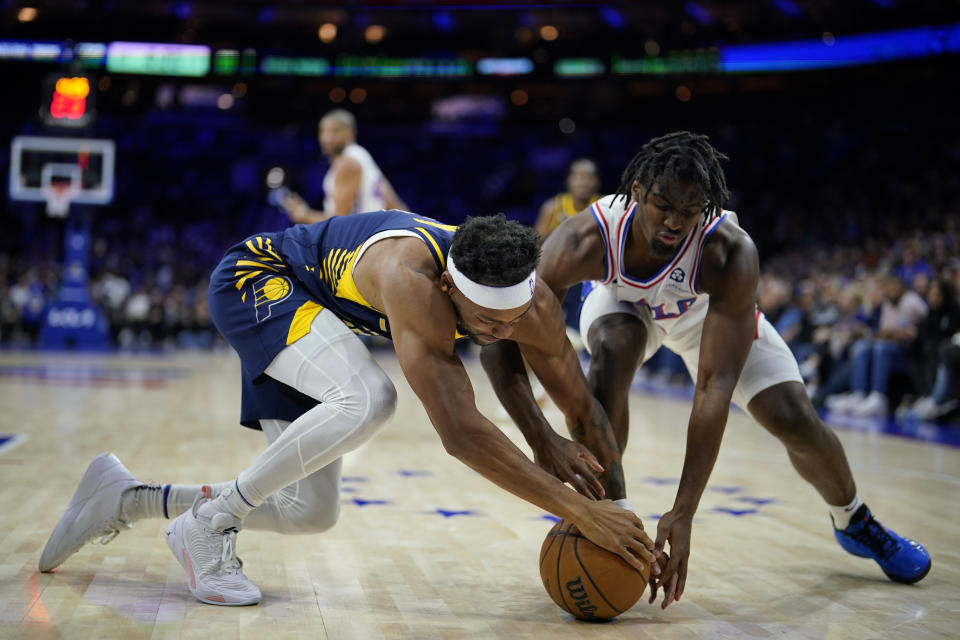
(446, 283)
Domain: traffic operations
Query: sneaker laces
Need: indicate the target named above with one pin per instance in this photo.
(111, 530)
(876, 538)
(229, 562)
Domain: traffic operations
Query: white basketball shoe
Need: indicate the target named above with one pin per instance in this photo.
(93, 512)
(204, 542)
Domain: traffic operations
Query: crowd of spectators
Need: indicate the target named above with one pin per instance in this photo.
(876, 329)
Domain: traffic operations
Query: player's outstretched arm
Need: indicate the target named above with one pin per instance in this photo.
(573, 253)
(542, 338)
(299, 211)
(422, 322)
(729, 273)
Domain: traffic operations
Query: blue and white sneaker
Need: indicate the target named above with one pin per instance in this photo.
(902, 559)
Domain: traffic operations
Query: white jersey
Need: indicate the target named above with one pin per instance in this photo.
(370, 193)
(671, 294)
(670, 306)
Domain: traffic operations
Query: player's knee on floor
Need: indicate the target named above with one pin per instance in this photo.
(307, 518)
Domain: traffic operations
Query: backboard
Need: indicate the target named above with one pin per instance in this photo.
(61, 171)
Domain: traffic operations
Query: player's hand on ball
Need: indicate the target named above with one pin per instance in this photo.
(573, 463)
(619, 531)
(674, 528)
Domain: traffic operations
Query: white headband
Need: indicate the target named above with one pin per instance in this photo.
(510, 297)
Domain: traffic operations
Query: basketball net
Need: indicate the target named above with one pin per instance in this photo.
(58, 198)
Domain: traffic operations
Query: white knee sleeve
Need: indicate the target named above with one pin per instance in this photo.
(356, 399)
(311, 505)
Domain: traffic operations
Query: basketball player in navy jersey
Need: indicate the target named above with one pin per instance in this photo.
(666, 265)
(354, 181)
(291, 304)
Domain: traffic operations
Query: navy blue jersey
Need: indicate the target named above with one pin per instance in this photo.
(267, 290)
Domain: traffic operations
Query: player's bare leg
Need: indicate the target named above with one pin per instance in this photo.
(817, 455)
(616, 341)
(815, 452)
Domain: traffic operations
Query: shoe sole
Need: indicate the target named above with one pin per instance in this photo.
(174, 543)
(911, 580)
(86, 489)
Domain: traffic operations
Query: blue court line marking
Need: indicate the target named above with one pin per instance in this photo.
(363, 503)
(725, 490)
(348, 489)
(413, 473)
(661, 481)
(550, 517)
(449, 513)
(757, 501)
(10, 441)
(734, 512)
(352, 479)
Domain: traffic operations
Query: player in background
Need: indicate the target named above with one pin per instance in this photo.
(667, 265)
(353, 183)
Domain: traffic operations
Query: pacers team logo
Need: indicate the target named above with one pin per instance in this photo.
(269, 291)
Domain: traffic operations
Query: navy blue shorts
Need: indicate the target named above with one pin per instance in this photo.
(259, 319)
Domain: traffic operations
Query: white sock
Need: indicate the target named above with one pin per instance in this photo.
(233, 502)
(841, 515)
(180, 497)
(162, 500)
(145, 501)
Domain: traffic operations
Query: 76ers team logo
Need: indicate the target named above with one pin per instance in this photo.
(677, 275)
(268, 291)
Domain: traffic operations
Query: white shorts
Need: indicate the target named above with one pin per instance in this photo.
(769, 362)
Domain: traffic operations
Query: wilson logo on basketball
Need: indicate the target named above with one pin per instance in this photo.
(578, 593)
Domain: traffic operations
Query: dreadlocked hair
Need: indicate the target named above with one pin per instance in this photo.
(676, 157)
(495, 251)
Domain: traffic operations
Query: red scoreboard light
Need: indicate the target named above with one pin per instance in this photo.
(67, 100)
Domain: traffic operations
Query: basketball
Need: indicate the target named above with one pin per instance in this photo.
(585, 580)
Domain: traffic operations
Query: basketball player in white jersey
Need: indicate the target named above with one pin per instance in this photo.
(666, 265)
(353, 183)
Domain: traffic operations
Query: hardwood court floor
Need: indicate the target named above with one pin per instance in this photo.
(426, 548)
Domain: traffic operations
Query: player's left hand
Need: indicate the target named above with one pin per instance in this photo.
(674, 527)
(573, 463)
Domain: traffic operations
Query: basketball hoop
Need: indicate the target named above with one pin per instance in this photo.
(58, 195)
(59, 183)
(61, 172)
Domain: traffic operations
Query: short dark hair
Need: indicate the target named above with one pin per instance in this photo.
(495, 251)
(680, 156)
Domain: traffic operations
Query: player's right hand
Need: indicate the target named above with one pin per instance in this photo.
(571, 462)
(295, 207)
(619, 531)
